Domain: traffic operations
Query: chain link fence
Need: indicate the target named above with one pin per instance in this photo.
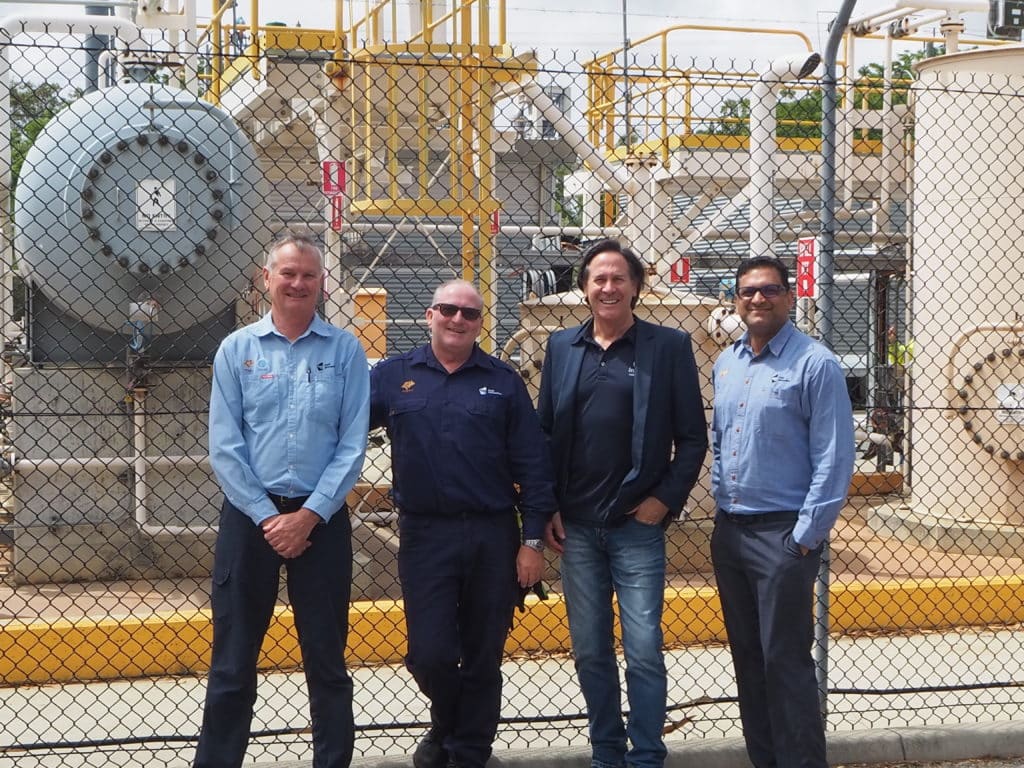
(142, 199)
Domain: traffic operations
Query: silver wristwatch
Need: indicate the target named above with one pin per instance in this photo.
(535, 544)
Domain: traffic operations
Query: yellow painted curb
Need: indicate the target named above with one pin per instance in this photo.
(179, 642)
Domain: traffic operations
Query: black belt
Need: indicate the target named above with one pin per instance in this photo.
(286, 504)
(785, 516)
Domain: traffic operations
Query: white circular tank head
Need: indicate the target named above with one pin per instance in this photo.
(138, 190)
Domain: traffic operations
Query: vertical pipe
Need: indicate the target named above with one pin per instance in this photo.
(626, 105)
(94, 45)
(254, 39)
(762, 168)
(139, 460)
(825, 307)
(6, 228)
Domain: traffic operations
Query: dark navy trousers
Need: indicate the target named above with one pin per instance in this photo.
(245, 586)
(766, 588)
(459, 584)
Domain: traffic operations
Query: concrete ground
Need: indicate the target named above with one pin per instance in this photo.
(150, 722)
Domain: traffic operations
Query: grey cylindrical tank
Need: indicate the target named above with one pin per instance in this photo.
(140, 193)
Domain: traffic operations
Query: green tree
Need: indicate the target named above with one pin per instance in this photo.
(734, 119)
(795, 117)
(568, 208)
(32, 106)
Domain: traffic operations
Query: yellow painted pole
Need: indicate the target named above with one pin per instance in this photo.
(216, 52)
(464, 153)
(253, 49)
(487, 186)
(394, 72)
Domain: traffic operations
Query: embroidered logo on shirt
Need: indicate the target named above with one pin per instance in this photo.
(249, 363)
(262, 365)
(484, 391)
(631, 371)
(324, 366)
(408, 385)
(266, 376)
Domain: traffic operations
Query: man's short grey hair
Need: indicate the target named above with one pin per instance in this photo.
(451, 283)
(304, 243)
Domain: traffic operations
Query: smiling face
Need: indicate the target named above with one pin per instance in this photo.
(764, 316)
(452, 338)
(610, 289)
(293, 282)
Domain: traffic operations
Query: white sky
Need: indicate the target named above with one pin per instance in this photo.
(596, 25)
(589, 26)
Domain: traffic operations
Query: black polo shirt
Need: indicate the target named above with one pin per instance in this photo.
(603, 428)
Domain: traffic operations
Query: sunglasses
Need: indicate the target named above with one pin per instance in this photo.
(770, 291)
(449, 310)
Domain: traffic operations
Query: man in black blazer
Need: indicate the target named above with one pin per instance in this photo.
(620, 402)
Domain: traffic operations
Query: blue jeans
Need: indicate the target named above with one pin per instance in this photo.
(628, 561)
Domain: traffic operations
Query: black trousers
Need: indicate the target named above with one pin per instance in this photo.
(245, 586)
(766, 588)
(459, 584)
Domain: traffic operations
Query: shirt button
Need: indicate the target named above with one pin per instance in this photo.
(737, 430)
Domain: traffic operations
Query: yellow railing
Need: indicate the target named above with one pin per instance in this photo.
(662, 111)
(477, 27)
(659, 87)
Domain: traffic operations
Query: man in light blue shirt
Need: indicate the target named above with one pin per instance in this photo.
(782, 437)
(289, 412)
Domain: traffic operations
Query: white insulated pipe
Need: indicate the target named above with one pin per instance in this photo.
(615, 178)
(76, 25)
(872, 22)
(764, 98)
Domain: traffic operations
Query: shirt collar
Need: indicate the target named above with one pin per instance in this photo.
(265, 326)
(775, 345)
(585, 333)
(425, 356)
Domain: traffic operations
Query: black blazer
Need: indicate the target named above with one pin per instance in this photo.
(670, 437)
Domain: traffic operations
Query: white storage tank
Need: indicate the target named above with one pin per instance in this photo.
(967, 481)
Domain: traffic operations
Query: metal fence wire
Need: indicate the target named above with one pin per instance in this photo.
(144, 188)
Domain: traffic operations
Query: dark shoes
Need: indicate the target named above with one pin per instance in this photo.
(430, 753)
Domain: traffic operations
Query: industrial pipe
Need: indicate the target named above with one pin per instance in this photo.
(615, 178)
(763, 99)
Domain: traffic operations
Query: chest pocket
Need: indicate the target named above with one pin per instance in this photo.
(781, 406)
(260, 399)
(328, 390)
(404, 406)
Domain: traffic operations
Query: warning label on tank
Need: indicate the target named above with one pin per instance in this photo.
(156, 207)
(1011, 403)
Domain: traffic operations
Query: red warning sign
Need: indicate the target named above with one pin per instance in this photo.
(681, 271)
(337, 212)
(807, 268)
(334, 177)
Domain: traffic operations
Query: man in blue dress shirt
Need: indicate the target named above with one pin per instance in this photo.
(288, 421)
(783, 457)
(467, 452)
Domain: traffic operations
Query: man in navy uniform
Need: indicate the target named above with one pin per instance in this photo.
(467, 453)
